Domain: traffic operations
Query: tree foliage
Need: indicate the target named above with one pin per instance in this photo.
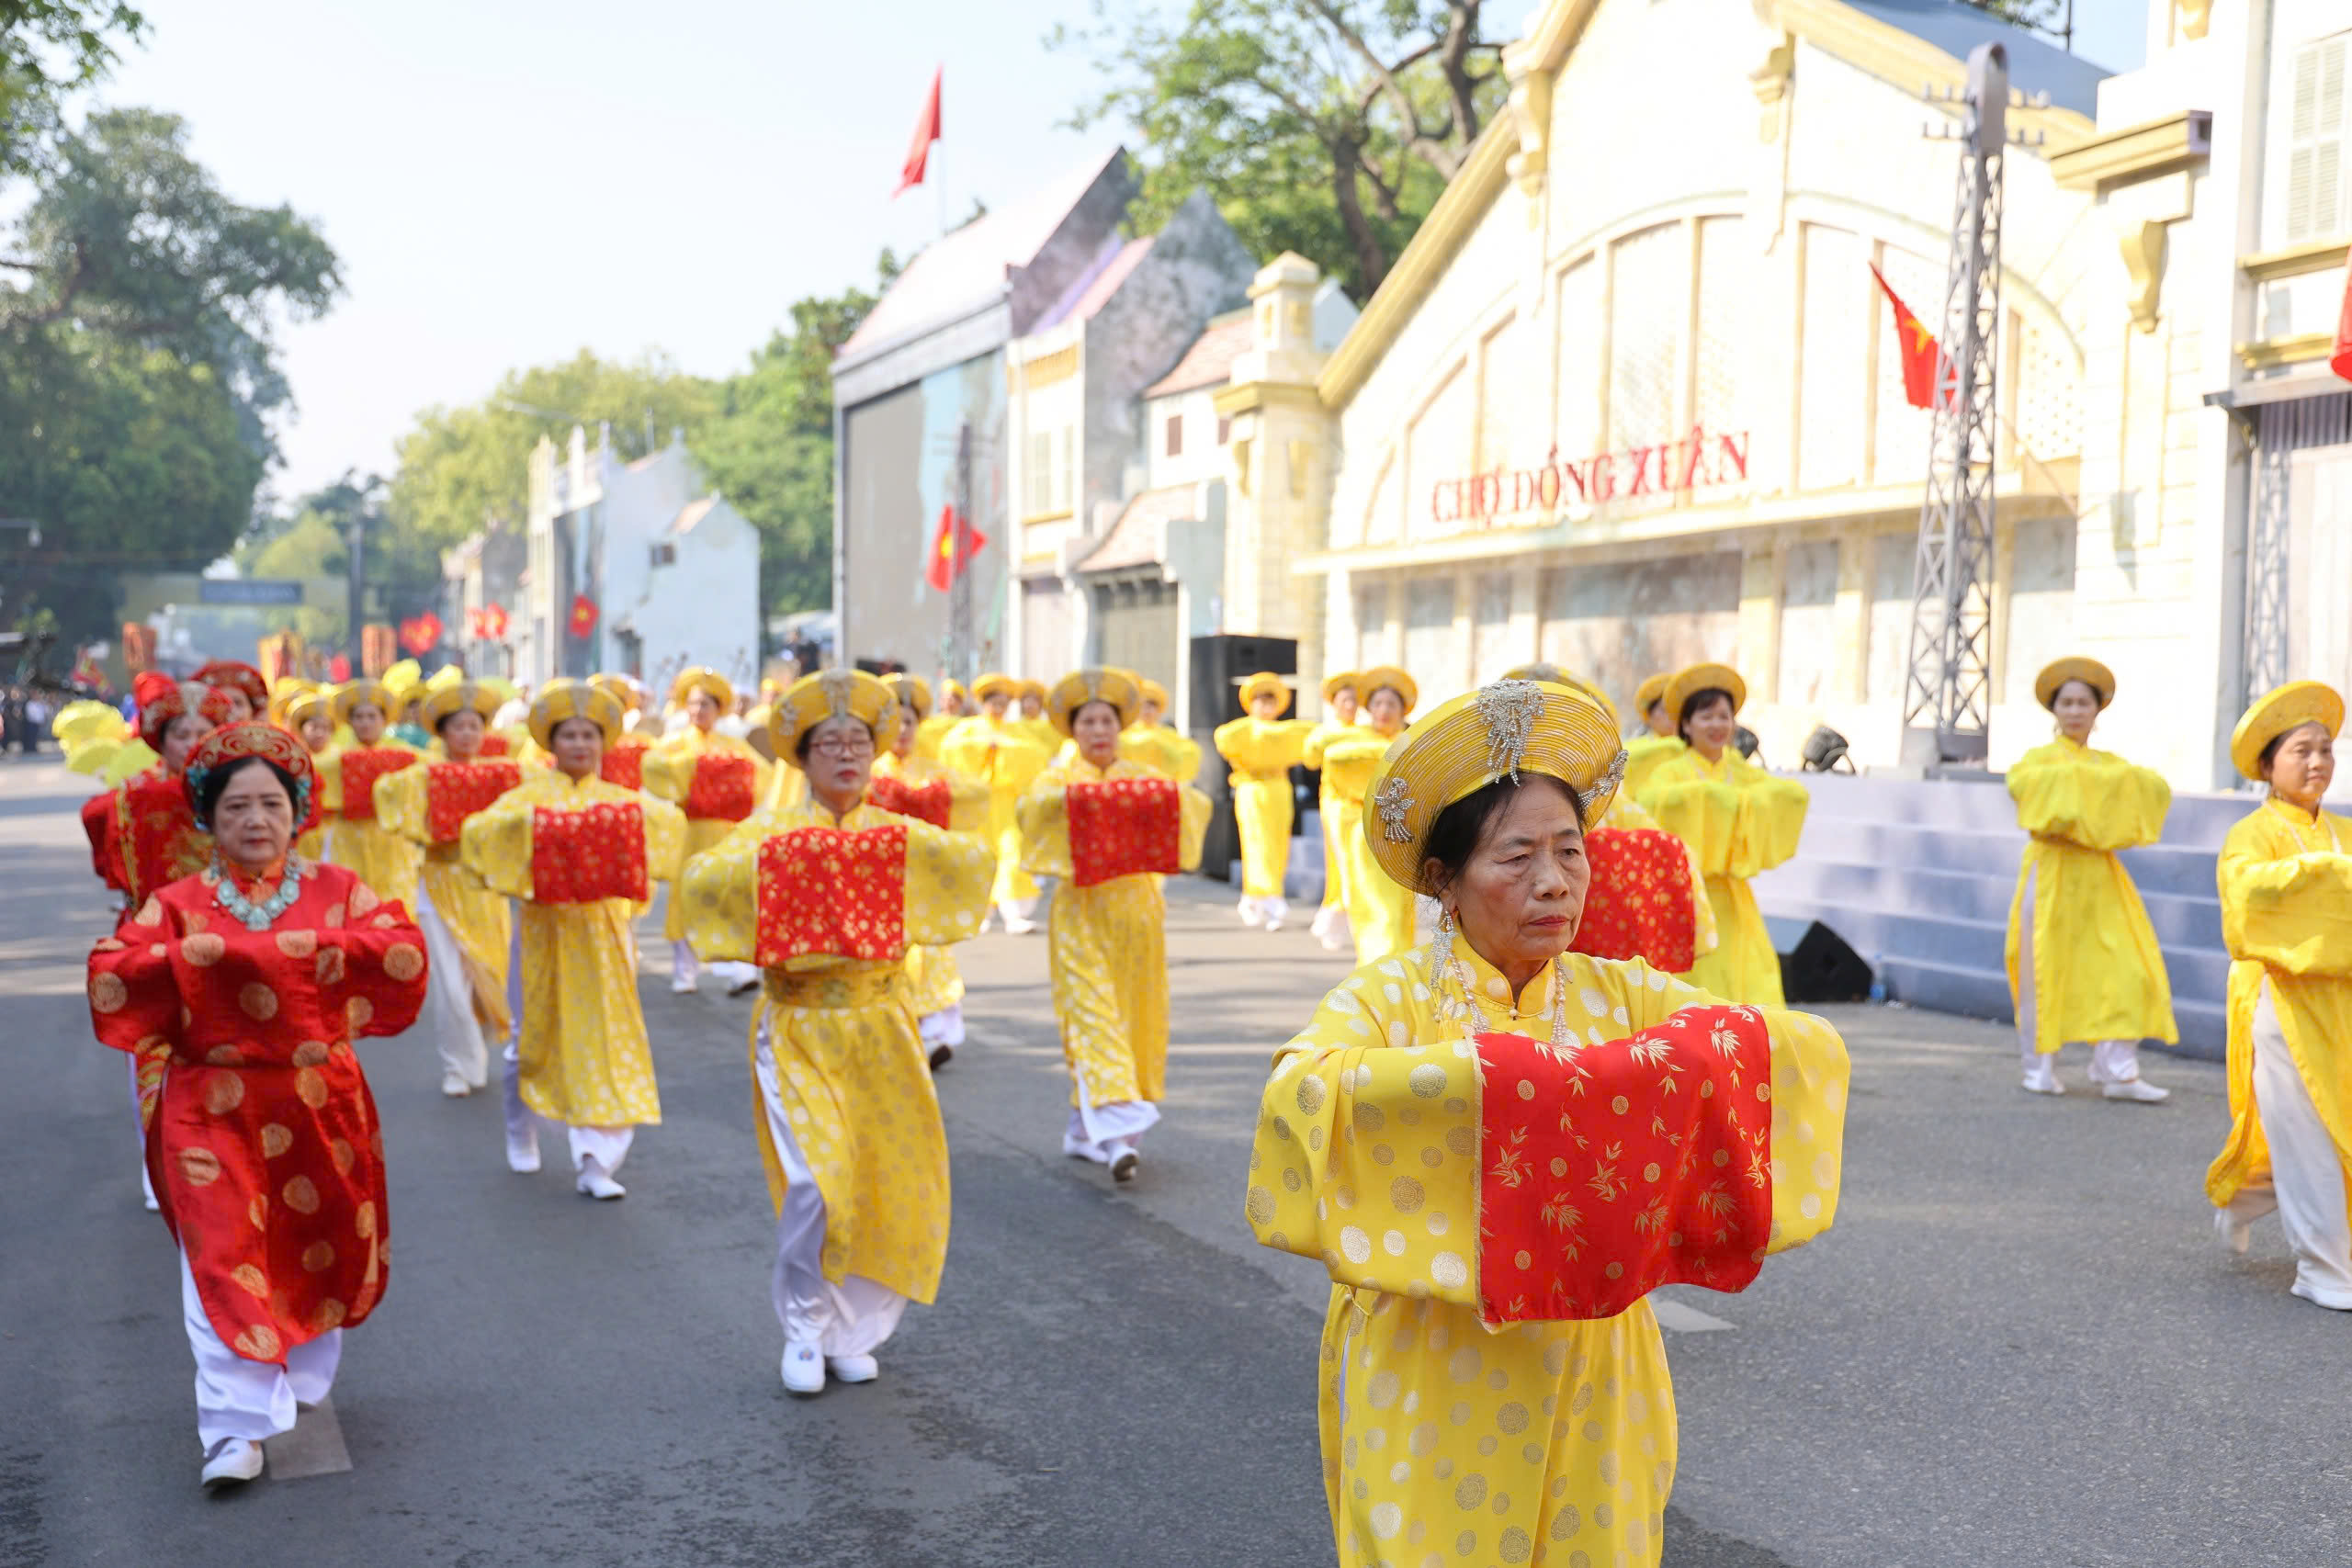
(48, 49)
(1325, 127)
(459, 468)
(138, 373)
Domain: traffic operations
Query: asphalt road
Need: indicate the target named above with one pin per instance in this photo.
(2019, 1346)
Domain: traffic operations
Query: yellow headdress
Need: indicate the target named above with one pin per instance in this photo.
(1262, 684)
(1341, 680)
(1394, 679)
(441, 701)
(1688, 683)
(2089, 671)
(1553, 674)
(351, 693)
(913, 694)
(1153, 693)
(830, 693)
(567, 698)
(1079, 687)
(702, 678)
(995, 685)
(2289, 708)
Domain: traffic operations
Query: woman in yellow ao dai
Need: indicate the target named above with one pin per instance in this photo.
(1109, 829)
(581, 854)
(948, 800)
(1738, 820)
(1263, 748)
(826, 896)
(2083, 960)
(1496, 1148)
(1380, 910)
(1340, 818)
(1005, 755)
(1150, 741)
(356, 838)
(1657, 742)
(2285, 883)
(715, 778)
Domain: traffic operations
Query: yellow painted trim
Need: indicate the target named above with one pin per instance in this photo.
(1547, 42)
(1417, 270)
(1047, 369)
(2319, 256)
(1062, 517)
(1908, 62)
(1251, 395)
(2272, 352)
(2148, 147)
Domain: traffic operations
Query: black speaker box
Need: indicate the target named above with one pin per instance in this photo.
(1818, 965)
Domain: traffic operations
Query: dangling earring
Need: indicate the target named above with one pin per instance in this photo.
(1441, 950)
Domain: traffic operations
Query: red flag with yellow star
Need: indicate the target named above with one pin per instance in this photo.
(1920, 353)
(953, 545)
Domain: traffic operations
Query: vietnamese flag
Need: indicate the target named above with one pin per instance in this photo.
(926, 133)
(583, 614)
(2340, 361)
(1920, 356)
(953, 545)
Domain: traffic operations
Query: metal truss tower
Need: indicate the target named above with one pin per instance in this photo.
(1947, 696)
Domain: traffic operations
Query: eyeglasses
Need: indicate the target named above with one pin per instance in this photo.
(854, 748)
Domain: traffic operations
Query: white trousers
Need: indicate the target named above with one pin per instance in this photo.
(607, 1146)
(2306, 1172)
(1271, 911)
(146, 1182)
(684, 965)
(944, 1027)
(449, 1000)
(237, 1398)
(2112, 1061)
(851, 1318)
(1102, 1133)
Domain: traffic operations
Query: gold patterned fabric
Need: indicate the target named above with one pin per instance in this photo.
(586, 1058)
(851, 1067)
(381, 857)
(1006, 757)
(480, 921)
(938, 979)
(1108, 943)
(1171, 753)
(669, 775)
(1547, 1441)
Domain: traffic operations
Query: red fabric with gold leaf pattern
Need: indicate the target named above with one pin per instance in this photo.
(931, 801)
(362, 766)
(623, 761)
(455, 791)
(155, 836)
(495, 746)
(1123, 826)
(827, 891)
(722, 788)
(1638, 903)
(1609, 1170)
(97, 825)
(262, 1142)
(594, 852)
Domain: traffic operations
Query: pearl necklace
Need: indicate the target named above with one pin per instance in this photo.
(255, 917)
(1473, 1009)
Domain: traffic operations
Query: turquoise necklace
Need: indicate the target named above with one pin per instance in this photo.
(255, 917)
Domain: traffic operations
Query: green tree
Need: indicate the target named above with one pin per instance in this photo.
(770, 452)
(47, 49)
(2044, 16)
(1325, 127)
(461, 467)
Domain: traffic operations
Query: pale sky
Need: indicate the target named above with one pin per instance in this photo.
(508, 181)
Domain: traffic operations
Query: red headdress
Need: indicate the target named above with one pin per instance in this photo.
(241, 677)
(160, 701)
(251, 737)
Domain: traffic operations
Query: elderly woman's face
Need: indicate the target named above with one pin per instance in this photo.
(579, 747)
(1095, 728)
(1520, 898)
(240, 707)
(254, 821)
(2076, 709)
(840, 760)
(2303, 766)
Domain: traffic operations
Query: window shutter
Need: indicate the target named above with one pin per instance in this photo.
(2316, 134)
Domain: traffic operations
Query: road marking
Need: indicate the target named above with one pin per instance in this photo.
(1680, 1317)
(313, 1447)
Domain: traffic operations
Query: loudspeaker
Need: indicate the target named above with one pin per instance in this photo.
(1218, 666)
(1818, 965)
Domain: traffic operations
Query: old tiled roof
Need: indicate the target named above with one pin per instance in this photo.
(1140, 535)
(1210, 359)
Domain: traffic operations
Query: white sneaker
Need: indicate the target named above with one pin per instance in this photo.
(2140, 1089)
(523, 1153)
(1019, 928)
(596, 1183)
(683, 985)
(746, 981)
(232, 1461)
(454, 1086)
(2235, 1234)
(1124, 1165)
(1251, 915)
(804, 1371)
(2318, 1297)
(2043, 1082)
(852, 1368)
(152, 1206)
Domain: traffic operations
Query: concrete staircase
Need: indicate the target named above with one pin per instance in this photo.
(1917, 877)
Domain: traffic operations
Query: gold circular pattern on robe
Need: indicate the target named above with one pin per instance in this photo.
(364, 1221)
(219, 1056)
(311, 1054)
(1265, 683)
(329, 1313)
(402, 962)
(1374, 680)
(1102, 684)
(259, 1343)
(275, 1139)
(258, 1001)
(298, 944)
(698, 678)
(199, 1166)
(357, 1014)
(301, 1195)
(341, 1152)
(258, 1210)
(204, 950)
(363, 899)
(223, 1092)
(317, 1257)
(2089, 671)
(830, 693)
(310, 1086)
(256, 1282)
(2289, 708)
(568, 698)
(1468, 742)
(108, 994)
(1696, 678)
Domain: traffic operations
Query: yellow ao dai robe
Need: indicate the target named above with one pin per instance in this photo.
(1645, 754)
(1262, 752)
(584, 1056)
(1547, 1441)
(2285, 883)
(2097, 971)
(481, 921)
(1006, 757)
(1171, 753)
(938, 979)
(1109, 955)
(1340, 818)
(382, 859)
(1739, 820)
(851, 1067)
(669, 775)
(1380, 910)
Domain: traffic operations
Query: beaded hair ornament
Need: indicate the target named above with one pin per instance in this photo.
(235, 742)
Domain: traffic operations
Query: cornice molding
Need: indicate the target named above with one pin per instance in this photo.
(2319, 256)
(2151, 147)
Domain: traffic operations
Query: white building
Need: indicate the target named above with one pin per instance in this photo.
(632, 567)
